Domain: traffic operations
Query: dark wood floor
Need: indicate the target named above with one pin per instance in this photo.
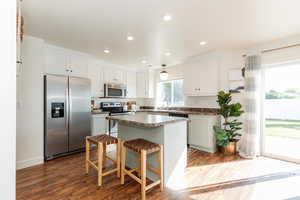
(208, 176)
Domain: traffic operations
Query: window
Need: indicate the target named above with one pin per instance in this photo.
(170, 93)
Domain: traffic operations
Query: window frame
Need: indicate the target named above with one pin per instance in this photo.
(159, 103)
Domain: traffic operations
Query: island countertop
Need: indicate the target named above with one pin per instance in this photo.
(145, 120)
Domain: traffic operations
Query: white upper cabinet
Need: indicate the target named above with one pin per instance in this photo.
(131, 84)
(201, 75)
(145, 84)
(141, 84)
(78, 64)
(95, 73)
(65, 62)
(114, 75)
(56, 60)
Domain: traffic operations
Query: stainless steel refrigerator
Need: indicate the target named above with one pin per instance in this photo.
(67, 115)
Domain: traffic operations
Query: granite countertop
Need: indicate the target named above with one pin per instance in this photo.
(145, 120)
(178, 111)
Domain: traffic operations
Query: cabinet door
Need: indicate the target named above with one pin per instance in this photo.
(95, 73)
(141, 84)
(78, 64)
(99, 124)
(201, 77)
(107, 75)
(55, 60)
(131, 84)
(114, 75)
(209, 79)
(118, 76)
(201, 132)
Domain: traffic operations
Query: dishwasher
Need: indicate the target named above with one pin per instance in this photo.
(187, 127)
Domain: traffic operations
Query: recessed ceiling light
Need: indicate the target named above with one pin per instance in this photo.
(203, 43)
(130, 38)
(167, 17)
(167, 53)
(106, 51)
(144, 61)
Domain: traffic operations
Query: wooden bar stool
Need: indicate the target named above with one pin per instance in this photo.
(101, 141)
(143, 147)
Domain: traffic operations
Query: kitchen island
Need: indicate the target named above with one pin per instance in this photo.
(171, 132)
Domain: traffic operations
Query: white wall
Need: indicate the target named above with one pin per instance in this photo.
(7, 99)
(29, 137)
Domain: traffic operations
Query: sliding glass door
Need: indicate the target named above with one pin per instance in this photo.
(281, 112)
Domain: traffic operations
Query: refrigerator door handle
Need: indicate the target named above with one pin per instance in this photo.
(70, 105)
(67, 113)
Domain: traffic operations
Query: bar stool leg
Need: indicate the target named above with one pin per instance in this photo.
(100, 160)
(139, 165)
(104, 156)
(87, 155)
(118, 157)
(161, 167)
(143, 173)
(123, 162)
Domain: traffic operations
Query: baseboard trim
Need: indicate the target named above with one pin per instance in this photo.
(203, 149)
(29, 162)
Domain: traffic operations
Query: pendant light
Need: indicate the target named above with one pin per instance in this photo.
(163, 74)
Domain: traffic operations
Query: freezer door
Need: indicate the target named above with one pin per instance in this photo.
(56, 115)
(79, 112)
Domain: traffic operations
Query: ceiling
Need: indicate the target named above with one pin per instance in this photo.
(94, 25)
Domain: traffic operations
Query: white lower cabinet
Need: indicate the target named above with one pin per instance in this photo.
(99, 124)
(201, 134)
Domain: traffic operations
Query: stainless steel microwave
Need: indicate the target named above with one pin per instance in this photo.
(112, 90)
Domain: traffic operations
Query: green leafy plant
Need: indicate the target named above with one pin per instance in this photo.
(228, 131)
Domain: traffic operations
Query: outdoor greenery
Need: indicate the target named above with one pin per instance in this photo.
(283, 128)
(228, 131)
(287, 94)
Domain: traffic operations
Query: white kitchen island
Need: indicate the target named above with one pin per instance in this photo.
(171, 132)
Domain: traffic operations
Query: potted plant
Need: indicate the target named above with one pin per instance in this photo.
(228, 133)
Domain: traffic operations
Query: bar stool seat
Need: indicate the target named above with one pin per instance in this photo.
(103, 138)
(143, 147)
(101, 141)
(138, 145)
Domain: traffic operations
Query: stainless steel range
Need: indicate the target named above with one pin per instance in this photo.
(114, 108)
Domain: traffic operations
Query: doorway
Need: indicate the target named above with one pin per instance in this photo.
(281, 112)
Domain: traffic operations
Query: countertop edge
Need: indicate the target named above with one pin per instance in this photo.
(178, 112)
(147, 125)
